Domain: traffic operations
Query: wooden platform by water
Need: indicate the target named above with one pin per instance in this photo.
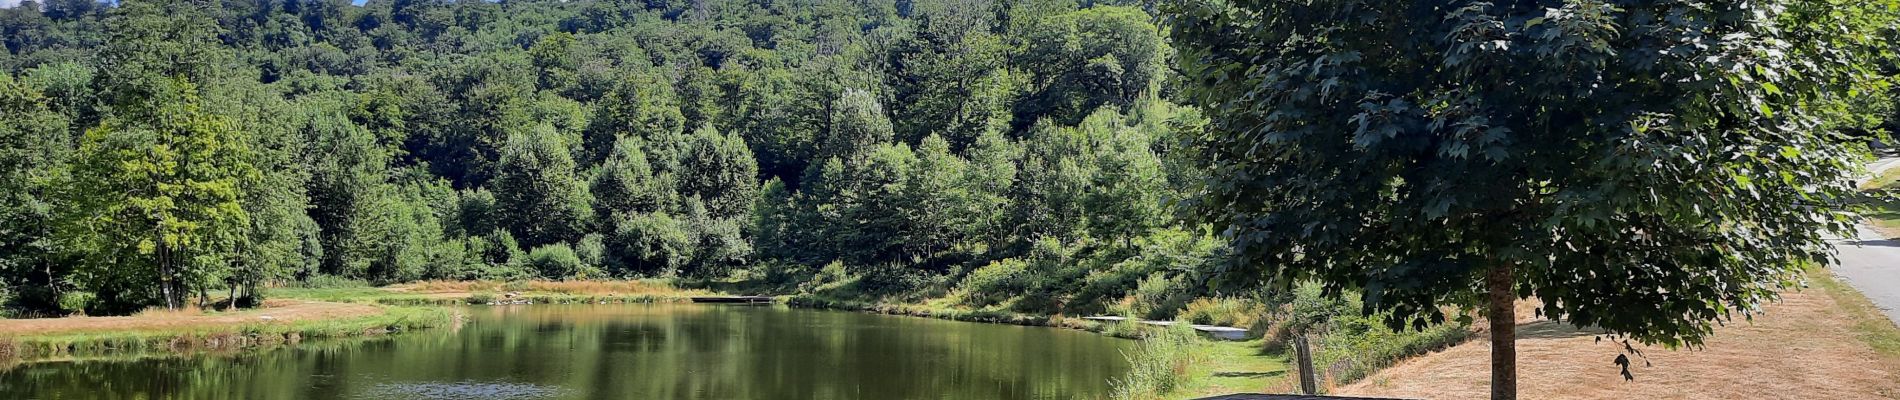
(734, 299)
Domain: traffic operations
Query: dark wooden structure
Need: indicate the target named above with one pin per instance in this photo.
(733, 299)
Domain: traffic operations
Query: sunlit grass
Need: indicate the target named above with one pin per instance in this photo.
(176, 338)
(1236, 367)
(482, 292)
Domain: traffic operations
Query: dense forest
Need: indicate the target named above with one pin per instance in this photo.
(1019, 154)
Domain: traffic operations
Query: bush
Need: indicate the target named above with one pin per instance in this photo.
(76, 300)
(1356, 346)
(556, 261)
(592, 250)
(1222, 311)
(994, 283)
(1348, 346)
(1160, 297)
(324, 281)
(650, 245)
(829, 278)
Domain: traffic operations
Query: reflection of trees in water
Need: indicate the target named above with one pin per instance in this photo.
(658, 351)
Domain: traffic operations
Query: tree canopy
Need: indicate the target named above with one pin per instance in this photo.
(1646, 168)
(904, 145)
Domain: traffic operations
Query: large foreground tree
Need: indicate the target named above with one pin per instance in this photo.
(1647, 168)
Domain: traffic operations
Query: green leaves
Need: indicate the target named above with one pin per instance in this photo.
(1648, 168)
(162, 193)
(538, 189)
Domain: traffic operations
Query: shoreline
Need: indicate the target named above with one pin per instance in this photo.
(403, 309)
(194, 337)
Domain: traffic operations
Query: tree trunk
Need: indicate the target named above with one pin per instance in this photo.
(1309, 379)
(1502, 313)
(165, 277)
(231, 302)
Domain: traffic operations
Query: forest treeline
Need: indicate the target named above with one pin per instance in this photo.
(1021, 154)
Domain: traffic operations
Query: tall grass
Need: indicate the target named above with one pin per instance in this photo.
(1158, 365)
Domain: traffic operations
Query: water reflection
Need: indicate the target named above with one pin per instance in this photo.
(628, 352)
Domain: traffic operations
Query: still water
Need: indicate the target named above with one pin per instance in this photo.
(625, 352)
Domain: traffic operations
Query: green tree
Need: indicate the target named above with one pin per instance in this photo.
(554, 56)
(722, 172)
(35, 150)
(156, 199)
(538, 191)
(556, 261)
(781, 120)
(654, 244)
(624, 185)
(991, 176)
(936, 200)
(858, 125)
(346, 167)
(1643, 168)
(1086, 59)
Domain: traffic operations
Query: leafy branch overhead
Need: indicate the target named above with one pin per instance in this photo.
(1648, 168)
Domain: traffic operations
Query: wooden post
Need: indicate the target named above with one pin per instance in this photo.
(1309, 379)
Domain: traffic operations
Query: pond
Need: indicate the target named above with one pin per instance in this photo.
(679, 351)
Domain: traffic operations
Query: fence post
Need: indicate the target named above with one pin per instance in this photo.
(1309, 379)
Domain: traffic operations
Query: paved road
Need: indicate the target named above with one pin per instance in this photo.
(1871, 262)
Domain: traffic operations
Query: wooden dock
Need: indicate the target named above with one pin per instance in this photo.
(1217, 332)
(734, 299)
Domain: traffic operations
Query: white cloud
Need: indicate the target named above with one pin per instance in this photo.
(9, 3)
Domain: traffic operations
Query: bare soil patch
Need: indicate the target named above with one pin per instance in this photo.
(273, 310)
(1805, 347)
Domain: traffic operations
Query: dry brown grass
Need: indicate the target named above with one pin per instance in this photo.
(464, 288)
(1811, 345)
(161, 312)
(277, 310)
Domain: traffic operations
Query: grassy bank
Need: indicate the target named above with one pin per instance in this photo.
(948, 312)
(335, 310)
(498, 292)
(187, 336)
(1179, 364)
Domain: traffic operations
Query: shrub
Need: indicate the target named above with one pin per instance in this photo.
(1222, 311)
(829, 278)
(556, 261)
(592, 250)
(76, 300)
(994, 283)
(324, 281)
(1356, 346)
(1159, 297)
(652, 245)
(481, 298)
